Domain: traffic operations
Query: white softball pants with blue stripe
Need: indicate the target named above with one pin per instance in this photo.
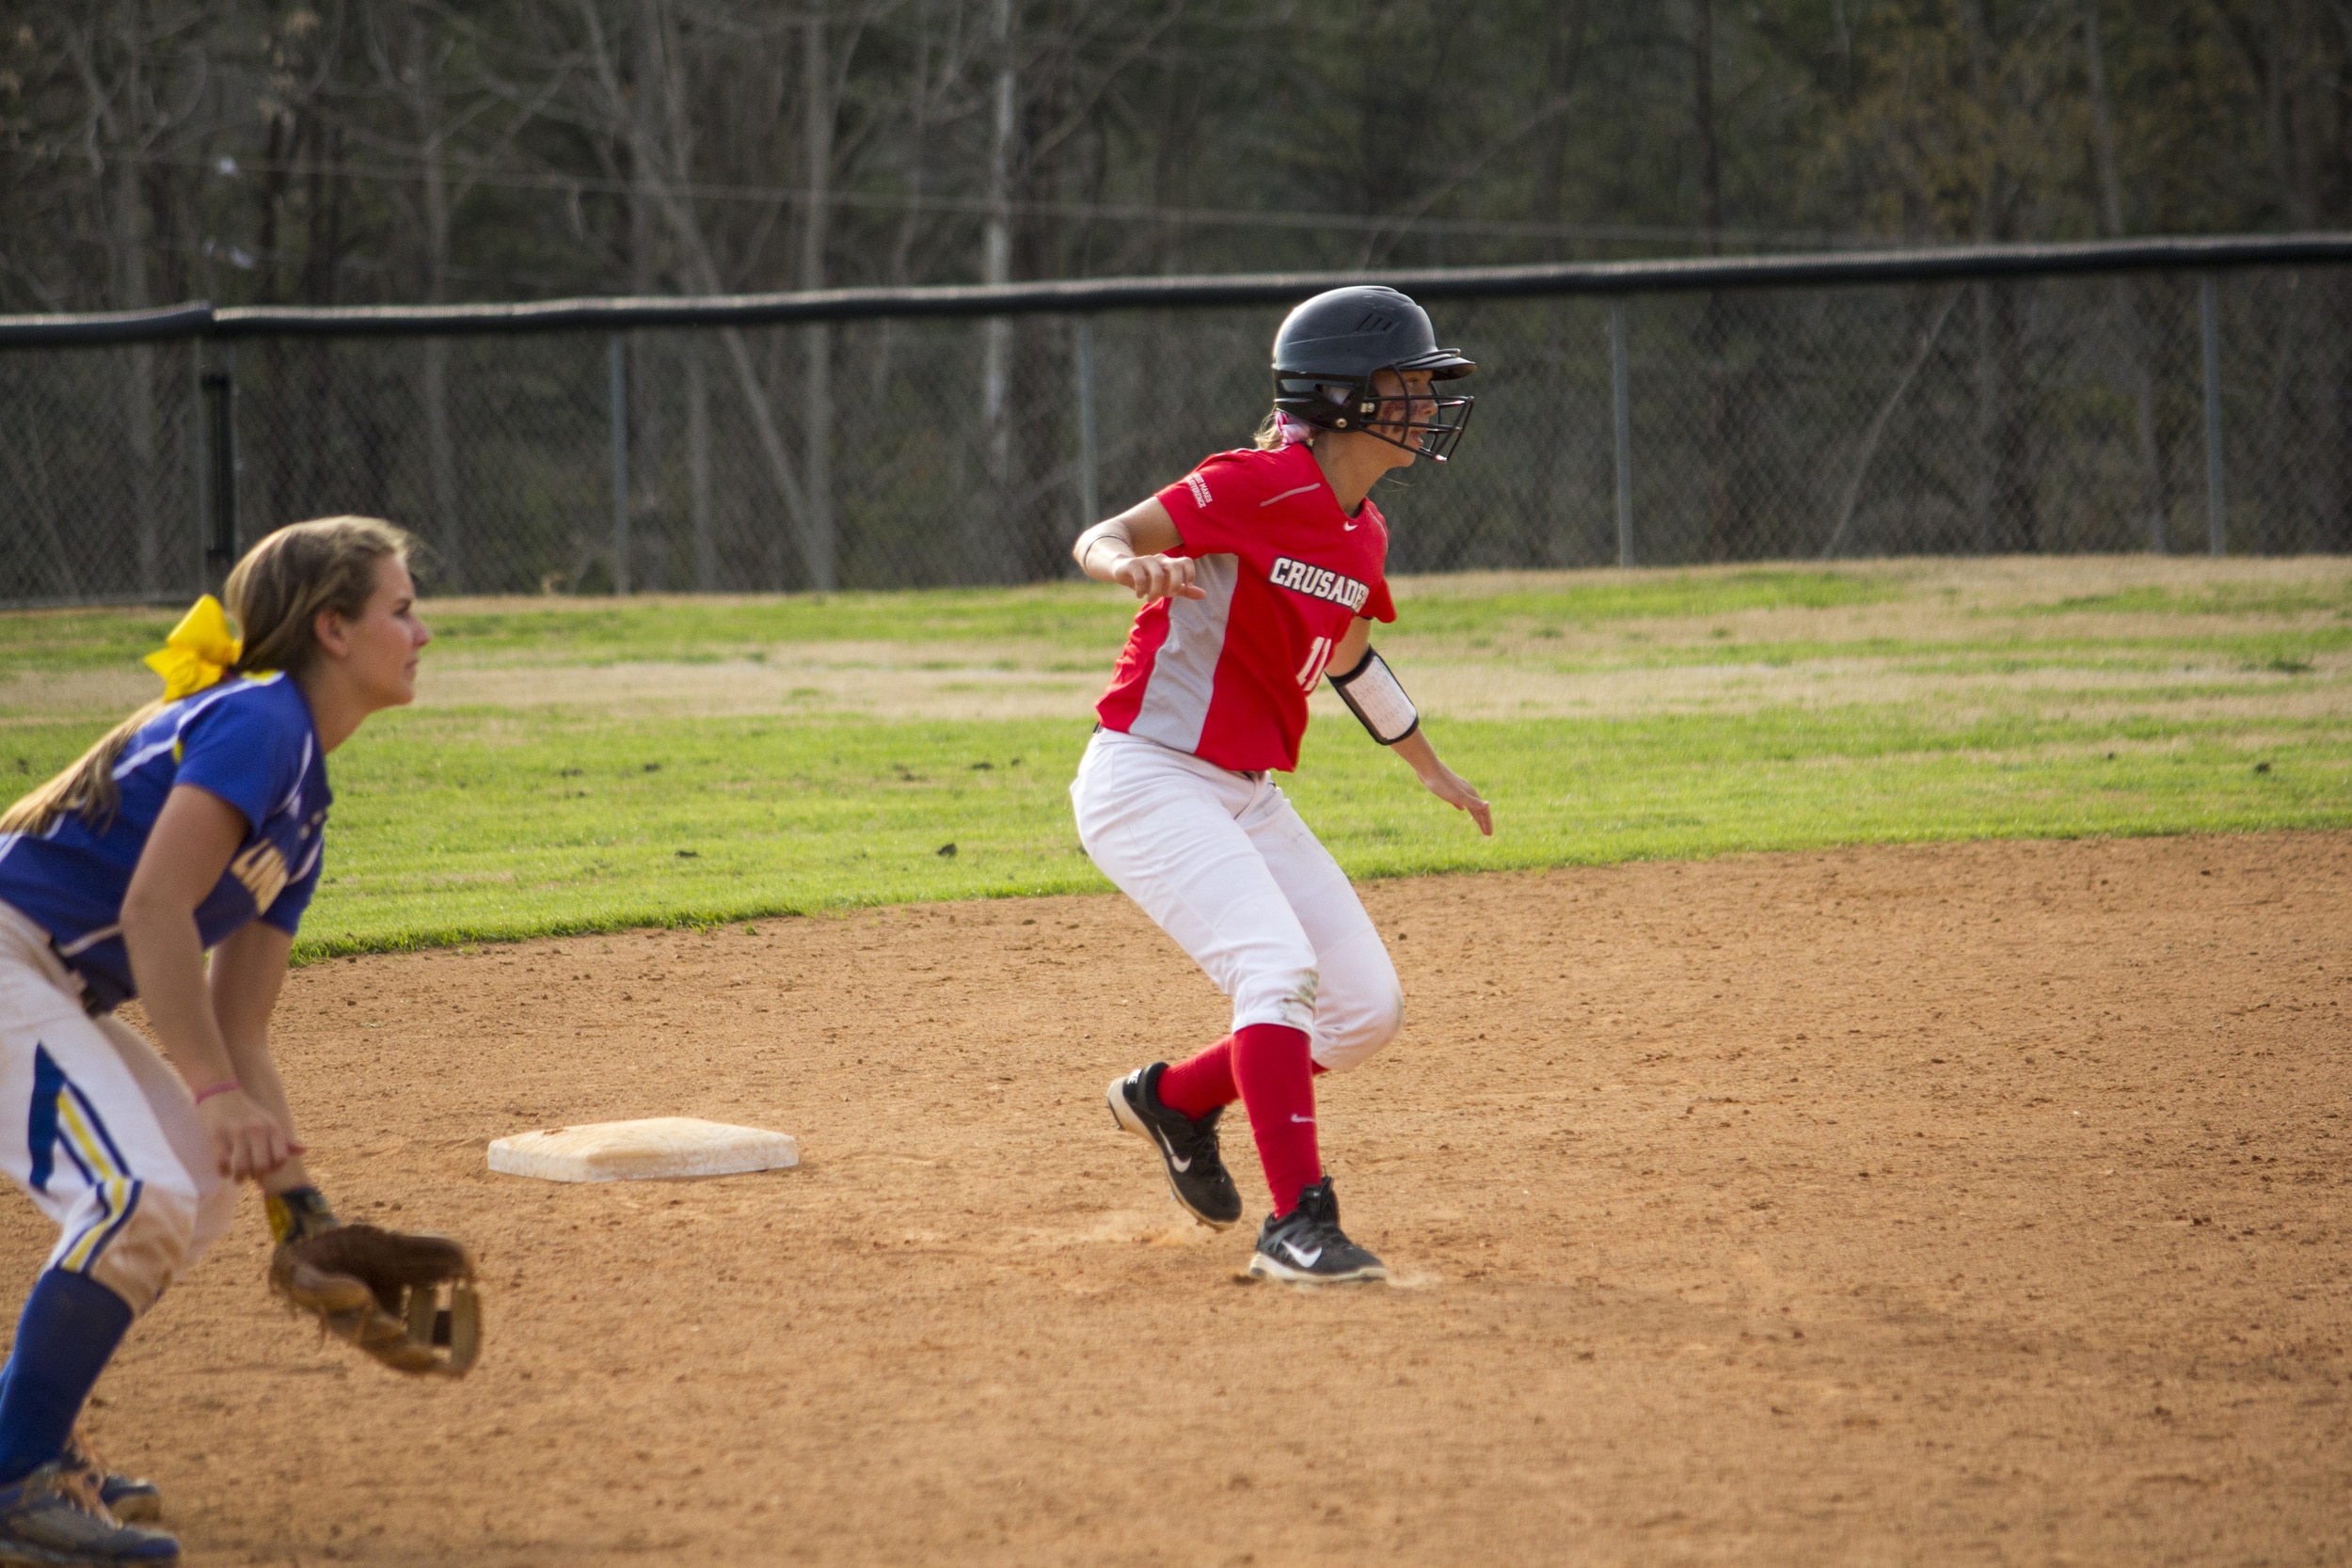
(98, 1131)
(1223, 863)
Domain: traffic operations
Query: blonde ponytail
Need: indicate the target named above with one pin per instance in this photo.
(276, 595)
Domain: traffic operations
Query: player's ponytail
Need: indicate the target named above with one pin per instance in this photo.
(276, 595)
(1278, 430)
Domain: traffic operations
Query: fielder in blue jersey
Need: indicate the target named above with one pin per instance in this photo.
(196, 828)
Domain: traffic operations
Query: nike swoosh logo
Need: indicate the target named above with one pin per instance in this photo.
(1181, 1165)
(1309, 1120)
(1306, 1260)
(1349, 528)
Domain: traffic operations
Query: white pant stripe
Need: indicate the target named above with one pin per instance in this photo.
(126, 1176)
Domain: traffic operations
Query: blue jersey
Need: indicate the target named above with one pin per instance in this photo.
(250, 742)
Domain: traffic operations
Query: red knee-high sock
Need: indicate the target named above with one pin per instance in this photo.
(1199, 1084)
(1276, 1076)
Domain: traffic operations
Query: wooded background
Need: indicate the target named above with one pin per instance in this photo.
(415, 151)
(419, 151)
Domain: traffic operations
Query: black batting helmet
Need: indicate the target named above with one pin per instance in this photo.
(1331, 347)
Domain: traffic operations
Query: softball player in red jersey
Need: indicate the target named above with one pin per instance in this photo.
(1262, 573)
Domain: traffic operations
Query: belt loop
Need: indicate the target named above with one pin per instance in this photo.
(88, 993)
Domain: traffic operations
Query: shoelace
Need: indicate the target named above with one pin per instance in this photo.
(81, 1473)
(1196, 1139)
(79, 1447)
(1323, 1204)
(79, 1486)
(1321, 1215)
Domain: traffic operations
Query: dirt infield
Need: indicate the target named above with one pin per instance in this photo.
(1936, 1204)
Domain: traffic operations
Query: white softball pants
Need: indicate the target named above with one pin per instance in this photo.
(99, 1130)
(1222, 862)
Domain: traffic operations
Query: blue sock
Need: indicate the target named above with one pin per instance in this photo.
(69, 1329)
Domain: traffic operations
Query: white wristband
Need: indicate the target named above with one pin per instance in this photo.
(1098, 539)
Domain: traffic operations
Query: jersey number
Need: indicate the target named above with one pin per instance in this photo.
(1318, 655)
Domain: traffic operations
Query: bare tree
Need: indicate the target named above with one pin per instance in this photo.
(124, 123)
(2126, 304)
(416, 77)
(985, 524)
(1727, 511)
(818, 112)
(661, 153)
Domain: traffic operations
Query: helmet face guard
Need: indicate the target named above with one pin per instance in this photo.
(1427, 424)
(1341, 362)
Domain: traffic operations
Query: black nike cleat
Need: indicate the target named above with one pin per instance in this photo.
(1196, 1171)
(1305, 1246)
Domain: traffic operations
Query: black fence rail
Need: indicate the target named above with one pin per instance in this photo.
(2163, 394)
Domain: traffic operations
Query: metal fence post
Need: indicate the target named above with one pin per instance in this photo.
(616, 355)
(197, 467)
(1089, 501)
(1622, 407)
(220, 405)
(2210, 324)
(699, 467)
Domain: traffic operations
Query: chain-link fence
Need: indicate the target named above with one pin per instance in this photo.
(2099, 412)
(98, 498)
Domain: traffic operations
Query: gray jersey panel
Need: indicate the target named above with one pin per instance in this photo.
(1183, 673)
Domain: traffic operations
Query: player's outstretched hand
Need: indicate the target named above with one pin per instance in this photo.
(1158, 576)
(1459, 793)
(246, 1139)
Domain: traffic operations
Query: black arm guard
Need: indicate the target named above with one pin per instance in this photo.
(1379, 704)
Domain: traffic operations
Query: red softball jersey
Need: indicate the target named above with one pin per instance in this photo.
(1287, 573)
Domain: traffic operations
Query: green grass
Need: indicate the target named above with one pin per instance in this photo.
(2218, 599)
(1440, 609)
(593, 631)
(53, 641)
(2286, 652)
(460, 826)
(1065, 615)
(483, 823)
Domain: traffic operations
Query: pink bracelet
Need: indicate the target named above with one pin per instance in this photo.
(204, 1095)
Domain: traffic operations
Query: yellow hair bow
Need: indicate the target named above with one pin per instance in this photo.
(198, 653)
